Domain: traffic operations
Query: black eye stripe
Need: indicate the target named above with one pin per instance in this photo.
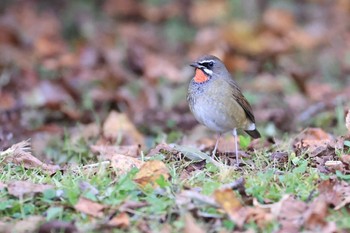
(207, 64)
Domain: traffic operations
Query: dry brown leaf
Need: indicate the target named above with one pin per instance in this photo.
(122, 157)
(260, 216)
(150, 172)
(316, 214)
(19, 154)
(347, 121)
(121, 220)
(89, 207)
(119, 125)
(20, 188)
(232, 206)
(335, 192)
(315, 140)
(191, 226)
(289, 212)
(123, 164)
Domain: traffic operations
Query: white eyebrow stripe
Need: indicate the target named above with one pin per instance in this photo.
(205, 61)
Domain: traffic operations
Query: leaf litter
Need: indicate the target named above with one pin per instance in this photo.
(51, 80)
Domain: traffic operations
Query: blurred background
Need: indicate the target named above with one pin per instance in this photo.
(65, 65)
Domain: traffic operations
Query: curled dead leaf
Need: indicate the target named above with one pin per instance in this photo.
(150, 172)
(89, 207)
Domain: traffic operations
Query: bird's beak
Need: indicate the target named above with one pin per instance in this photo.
(195, 64)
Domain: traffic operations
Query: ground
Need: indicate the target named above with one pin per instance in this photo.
(96, 134)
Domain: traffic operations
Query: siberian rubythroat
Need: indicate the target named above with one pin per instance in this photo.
(217, 102)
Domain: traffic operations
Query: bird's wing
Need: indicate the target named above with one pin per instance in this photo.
(238, 96)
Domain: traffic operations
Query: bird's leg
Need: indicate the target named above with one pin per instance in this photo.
(236, 145)
(216, 145)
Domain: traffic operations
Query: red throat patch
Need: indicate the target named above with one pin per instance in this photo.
(200, 76)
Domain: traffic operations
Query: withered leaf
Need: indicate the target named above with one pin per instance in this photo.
(89, 207)
(232, 206)
(118, 124)
(150, 172)
(121, 220)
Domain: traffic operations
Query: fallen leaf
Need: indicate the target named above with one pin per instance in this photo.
(89, 207)
(58, 226)
(121, 220)
(118, 125)
(150, 172)
(19, 154)
(191, 226)
(232, 206)
(316, 214)
(289, 212)
(123, 158)
(260, 216)
(26, 225)
(314, 140)
(335, 193)
(21, 188)
(123, 164)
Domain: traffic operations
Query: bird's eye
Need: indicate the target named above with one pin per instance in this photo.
(210, 64)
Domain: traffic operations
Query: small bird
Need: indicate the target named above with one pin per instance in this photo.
(217, 102)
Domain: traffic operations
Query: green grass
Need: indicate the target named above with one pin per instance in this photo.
(265, 180)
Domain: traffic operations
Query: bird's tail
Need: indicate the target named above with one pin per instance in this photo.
(253, 133)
